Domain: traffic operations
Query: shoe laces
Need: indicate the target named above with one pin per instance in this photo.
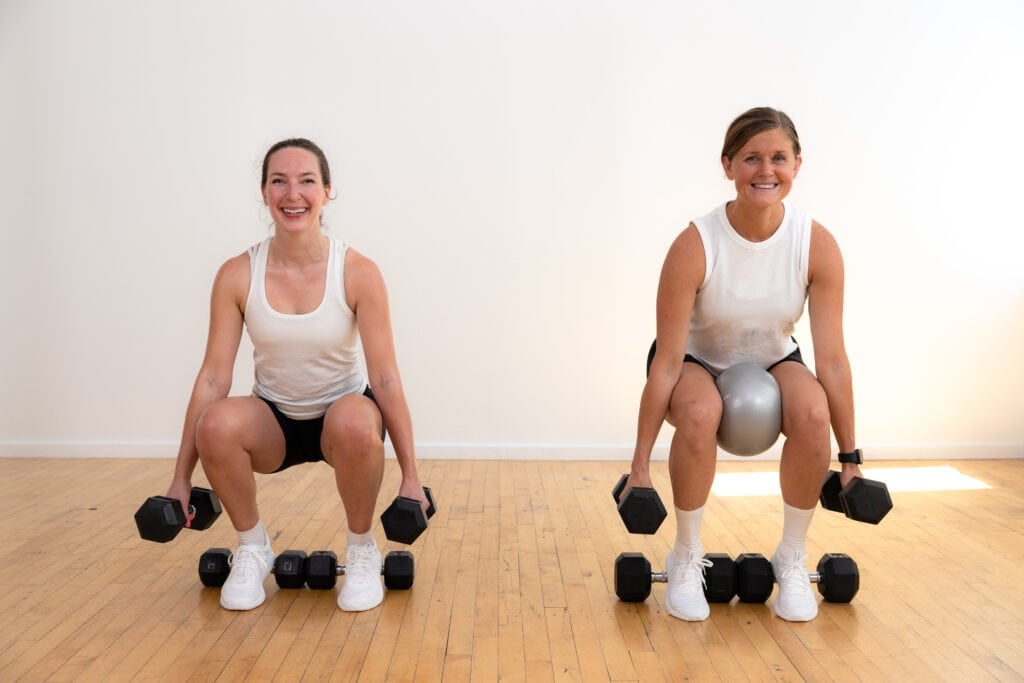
(360, 564)
(247, 564)
(692, 579)
(793, 575)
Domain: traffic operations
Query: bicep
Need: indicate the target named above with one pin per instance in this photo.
(368, 298)
(225, 331)
(681, 276)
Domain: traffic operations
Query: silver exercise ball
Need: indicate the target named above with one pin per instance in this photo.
(751, 410)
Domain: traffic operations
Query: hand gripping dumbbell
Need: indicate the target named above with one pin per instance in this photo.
(405, 520)
(640, 507)
(320, 571)
(837, 577)
(633, 577)
(862, 500)
(160, 518)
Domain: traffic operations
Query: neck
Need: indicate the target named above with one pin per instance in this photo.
(302, 248)
(754, 223)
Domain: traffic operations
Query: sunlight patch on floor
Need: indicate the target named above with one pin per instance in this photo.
(943, 478)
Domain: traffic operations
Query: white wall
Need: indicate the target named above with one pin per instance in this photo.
(518, 171)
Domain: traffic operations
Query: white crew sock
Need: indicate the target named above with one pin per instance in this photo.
(795, 525)
(688, 524)
(254, 536)
(361, 539)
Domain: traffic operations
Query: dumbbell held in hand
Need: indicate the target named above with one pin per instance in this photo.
(640, 507)
(404, 520)
(862, 500)
(160, 518)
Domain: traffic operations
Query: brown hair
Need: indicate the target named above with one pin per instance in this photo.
(754, 121)
(301, 143)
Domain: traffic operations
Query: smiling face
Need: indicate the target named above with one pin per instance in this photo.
(294, 190)
(764, 168)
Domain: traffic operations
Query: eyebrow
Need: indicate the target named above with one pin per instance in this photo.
(301, 175)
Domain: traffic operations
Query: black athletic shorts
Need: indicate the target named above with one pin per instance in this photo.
(302, 437)
(688, 358)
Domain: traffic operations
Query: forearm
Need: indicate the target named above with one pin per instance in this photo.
(837, 380)
(205, 392)
(654, 403)
(398, 421)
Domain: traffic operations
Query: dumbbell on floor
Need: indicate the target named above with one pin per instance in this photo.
(640, 508)
(862, 500)
(837, 576)
(320, 570)
(633, 577)
(404, 520)
(160, 518)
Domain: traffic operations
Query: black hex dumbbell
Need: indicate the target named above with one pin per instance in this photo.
(320, 571)
(862, 500)
(289, 568)
(838, 577)
(633, 577)
(640, 507)
(160, 518)
(405, 520)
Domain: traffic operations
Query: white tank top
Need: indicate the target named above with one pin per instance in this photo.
(304, 362)
(753, 292)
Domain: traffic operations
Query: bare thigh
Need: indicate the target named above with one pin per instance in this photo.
(241, 423)
(805, 413)
(352, 425)
(696, 403)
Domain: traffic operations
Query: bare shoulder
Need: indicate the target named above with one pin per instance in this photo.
(232, 282)
(685, 257)
(825, 256)
(363, 279)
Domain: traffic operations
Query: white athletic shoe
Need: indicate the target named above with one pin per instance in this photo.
(243, 589)
(362, 589)
(795, 601)
(684, 598)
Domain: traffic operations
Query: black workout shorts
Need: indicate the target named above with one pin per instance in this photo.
(302, 437)
(689, 358)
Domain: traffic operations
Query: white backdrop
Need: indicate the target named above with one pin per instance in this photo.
(518, 171)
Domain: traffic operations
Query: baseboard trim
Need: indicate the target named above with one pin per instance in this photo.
(12, 448)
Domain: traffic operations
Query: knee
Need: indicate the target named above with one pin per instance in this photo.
(348, 435)
(218, 426)
(695, 420)
(809, 420)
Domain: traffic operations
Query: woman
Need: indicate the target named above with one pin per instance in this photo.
(306, 300)
(732, 287)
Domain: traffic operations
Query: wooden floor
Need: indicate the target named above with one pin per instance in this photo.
(514, 581)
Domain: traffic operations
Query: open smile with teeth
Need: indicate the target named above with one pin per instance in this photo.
(294, 212)
(765, 186)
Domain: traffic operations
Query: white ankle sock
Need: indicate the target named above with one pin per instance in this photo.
(795, 525)
(361, 539)
(688, 524)
(254, 536)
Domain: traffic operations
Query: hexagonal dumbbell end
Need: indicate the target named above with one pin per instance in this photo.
(160, 519)
(719, 578)
(214, 567)
(640, 508)
(322, 570)
(830, 492)
(866, 500)
(754, 577)
(206, 507)
(632, 577)
(404, 520)
(838, 577)
(399, 570)
(290, 569)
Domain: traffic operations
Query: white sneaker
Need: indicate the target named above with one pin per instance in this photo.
(243, 589)
(684, 598)
(795, 601)
(362, 589)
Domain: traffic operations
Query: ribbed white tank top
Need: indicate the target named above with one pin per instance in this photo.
(304, 362)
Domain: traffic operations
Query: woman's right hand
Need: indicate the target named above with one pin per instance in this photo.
(182, 490)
